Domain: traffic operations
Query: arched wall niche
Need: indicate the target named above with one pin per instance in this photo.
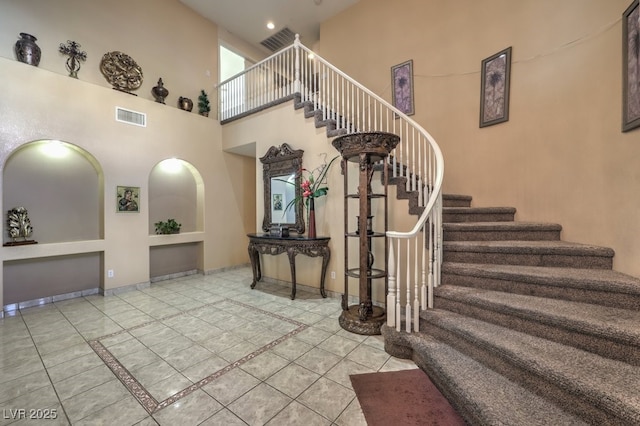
(61, 185)
(176, 191)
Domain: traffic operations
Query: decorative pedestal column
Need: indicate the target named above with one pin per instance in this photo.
(369, 151)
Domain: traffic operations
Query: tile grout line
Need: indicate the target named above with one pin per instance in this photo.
(46, 370)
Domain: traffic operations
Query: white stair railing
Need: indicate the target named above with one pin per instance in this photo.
(346, 106)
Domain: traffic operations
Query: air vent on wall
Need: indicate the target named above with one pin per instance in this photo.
(282, 38)
(131, 117)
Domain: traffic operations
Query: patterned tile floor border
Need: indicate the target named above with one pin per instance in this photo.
(144, 396)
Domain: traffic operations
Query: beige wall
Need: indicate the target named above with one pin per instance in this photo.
(265, 129)
(561, 157)
(167, 40)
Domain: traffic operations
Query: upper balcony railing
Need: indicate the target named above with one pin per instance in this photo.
(345, 106)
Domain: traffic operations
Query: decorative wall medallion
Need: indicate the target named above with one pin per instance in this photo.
(121, 71)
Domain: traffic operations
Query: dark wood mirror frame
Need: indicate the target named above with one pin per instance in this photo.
(282, 162)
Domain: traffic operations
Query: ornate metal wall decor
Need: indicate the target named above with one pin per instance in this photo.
(121, 71)
(75, 56)
(19, 226)
(27, 50)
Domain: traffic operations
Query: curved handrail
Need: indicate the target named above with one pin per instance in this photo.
(346, 106)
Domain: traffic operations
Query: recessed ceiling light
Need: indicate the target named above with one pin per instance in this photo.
(270, 25)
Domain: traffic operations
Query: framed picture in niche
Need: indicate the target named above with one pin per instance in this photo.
(494, 90)
(402, 87)
(631, 67)
(128, 199)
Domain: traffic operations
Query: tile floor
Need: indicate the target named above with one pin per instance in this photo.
(199, 350)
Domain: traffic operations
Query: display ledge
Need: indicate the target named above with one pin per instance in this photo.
(181, 238)
(32, 251)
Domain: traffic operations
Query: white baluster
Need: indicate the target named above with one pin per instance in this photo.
(296, 46)
(398, 285)
(423, 269)
(416, 302)
(391, 292)
(408, 304)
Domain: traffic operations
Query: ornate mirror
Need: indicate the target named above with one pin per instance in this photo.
(280, 171)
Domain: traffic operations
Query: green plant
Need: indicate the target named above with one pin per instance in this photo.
(203, 103)
(168, 227)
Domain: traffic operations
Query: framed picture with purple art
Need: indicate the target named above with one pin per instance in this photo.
(631, 67)
(402, 87)
(494, 91)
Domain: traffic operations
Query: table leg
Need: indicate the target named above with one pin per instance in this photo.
(292, 264)
(254, 257)
(326, 256)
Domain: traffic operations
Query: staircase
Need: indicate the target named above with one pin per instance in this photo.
(527, 329)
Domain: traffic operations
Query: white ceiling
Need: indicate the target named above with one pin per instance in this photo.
(248, 19)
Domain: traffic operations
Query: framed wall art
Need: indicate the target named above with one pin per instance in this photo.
(631, 67)
(277, 202)
(402, 87)
(494, 92)
(128, 199)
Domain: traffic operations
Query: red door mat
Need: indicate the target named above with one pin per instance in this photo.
(403, 398)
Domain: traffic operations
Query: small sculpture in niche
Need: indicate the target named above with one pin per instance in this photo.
(75, 56)
(160, 92)
(18, 224)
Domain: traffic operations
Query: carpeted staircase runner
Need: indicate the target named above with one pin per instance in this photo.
(527, 329)
(403, 398)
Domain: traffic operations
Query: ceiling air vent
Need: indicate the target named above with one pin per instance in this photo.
(282, 38)
(131, 117)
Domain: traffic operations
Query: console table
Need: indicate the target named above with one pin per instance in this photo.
(292, 245)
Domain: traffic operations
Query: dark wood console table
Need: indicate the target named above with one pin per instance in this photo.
(292, 245)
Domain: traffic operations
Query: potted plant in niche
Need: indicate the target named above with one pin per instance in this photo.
(203, 104)
(168, 227)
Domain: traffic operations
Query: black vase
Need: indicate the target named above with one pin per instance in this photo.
(27, 50)
(160, 92)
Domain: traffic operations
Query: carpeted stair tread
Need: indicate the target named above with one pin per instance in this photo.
(591, 279)
(457, 197)
(481, 393)
(611, 386)
(621, 325)
(533, 247)
(500, 231)
(500, 226)
(484, 210)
